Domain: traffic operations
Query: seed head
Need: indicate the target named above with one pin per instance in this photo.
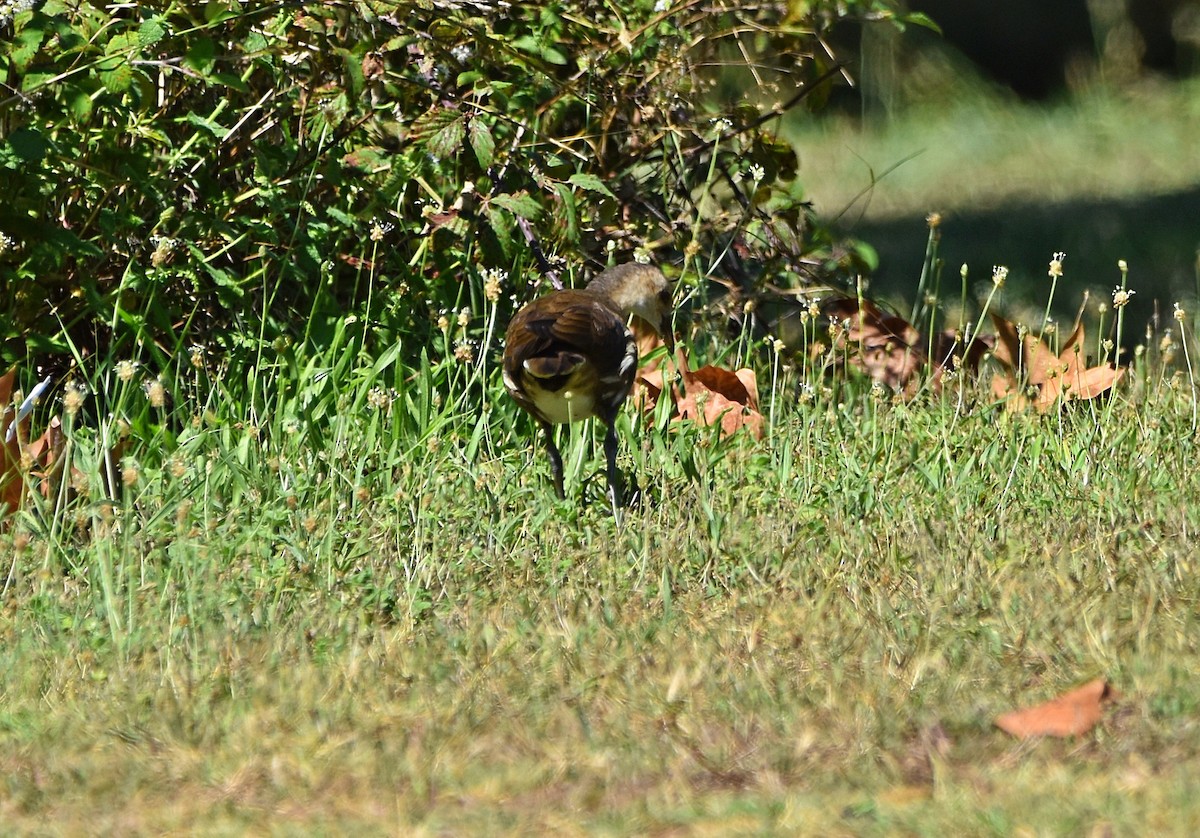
(73, 398)
(1121, 296)
(1056, 269)
(492, 279)
(156, 393)
(126, 370)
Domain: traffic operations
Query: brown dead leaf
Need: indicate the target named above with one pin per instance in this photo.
(716, 396)
(893, 351)
(1071, 714)
(1064, 376)
(12, 487)
(884, 346)
(20, 460)
(708, 396)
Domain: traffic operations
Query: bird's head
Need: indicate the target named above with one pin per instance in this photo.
(641, 290)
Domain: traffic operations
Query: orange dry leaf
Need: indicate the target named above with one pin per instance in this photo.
(709, 396)
(1071, 714)
(884, 346)
(1064, 376)
(892, 351)
(40, 459)
(715, 396)
(12, 487)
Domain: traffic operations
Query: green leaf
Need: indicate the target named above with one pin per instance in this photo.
(214, 128)
(254, 42)
(921, 19)
(534, 46)
(79, 103)
(482, 142)
(352, 62)
(229, 80)
(366, 159)
(868, 254)
(25, 45)
(201, 56)
(520, 205)
(447, 139)
(36, 81)
(501, 226)
(151, 32)
(117, 80)
(120, 50)
(567, 215)
(590, 182)
(28, 144)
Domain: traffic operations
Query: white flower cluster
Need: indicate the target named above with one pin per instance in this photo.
(11, 8)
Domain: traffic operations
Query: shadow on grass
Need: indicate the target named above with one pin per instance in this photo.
(1159, 238)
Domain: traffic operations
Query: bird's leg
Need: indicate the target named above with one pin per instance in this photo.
(614, 477)
(556, 465)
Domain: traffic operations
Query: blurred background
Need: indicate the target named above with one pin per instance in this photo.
(1031, 126)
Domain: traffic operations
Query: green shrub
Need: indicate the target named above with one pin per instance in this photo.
(234, 180)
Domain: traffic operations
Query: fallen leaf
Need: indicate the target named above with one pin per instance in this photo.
(20, 460)
(894, 352)
(716, 396)
(1028, 361)
(12, 486)
(708, 396)
(884, 346)
(1071, 714)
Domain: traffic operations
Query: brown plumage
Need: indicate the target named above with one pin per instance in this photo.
(570, 355)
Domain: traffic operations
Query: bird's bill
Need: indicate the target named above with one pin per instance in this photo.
(664, 330)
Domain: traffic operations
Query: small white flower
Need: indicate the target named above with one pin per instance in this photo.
(1121, 296)
(1056, 269)
(126, 370)
(380, 229)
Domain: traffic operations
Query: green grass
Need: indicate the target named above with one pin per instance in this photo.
(280, 631)
(967, 152)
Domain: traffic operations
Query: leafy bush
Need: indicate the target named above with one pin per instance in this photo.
(179, 173)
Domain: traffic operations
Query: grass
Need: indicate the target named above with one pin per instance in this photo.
(339, 596)
(966, 151)
(379, 631)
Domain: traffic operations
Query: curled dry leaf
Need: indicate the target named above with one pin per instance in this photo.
(1071, 714)
(884, 346)
(716, 396)
(708, 396)
(12, 487)
(40, 459)
(1064, 376)
(893, 351)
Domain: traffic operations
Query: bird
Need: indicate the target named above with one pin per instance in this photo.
(571, 355)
